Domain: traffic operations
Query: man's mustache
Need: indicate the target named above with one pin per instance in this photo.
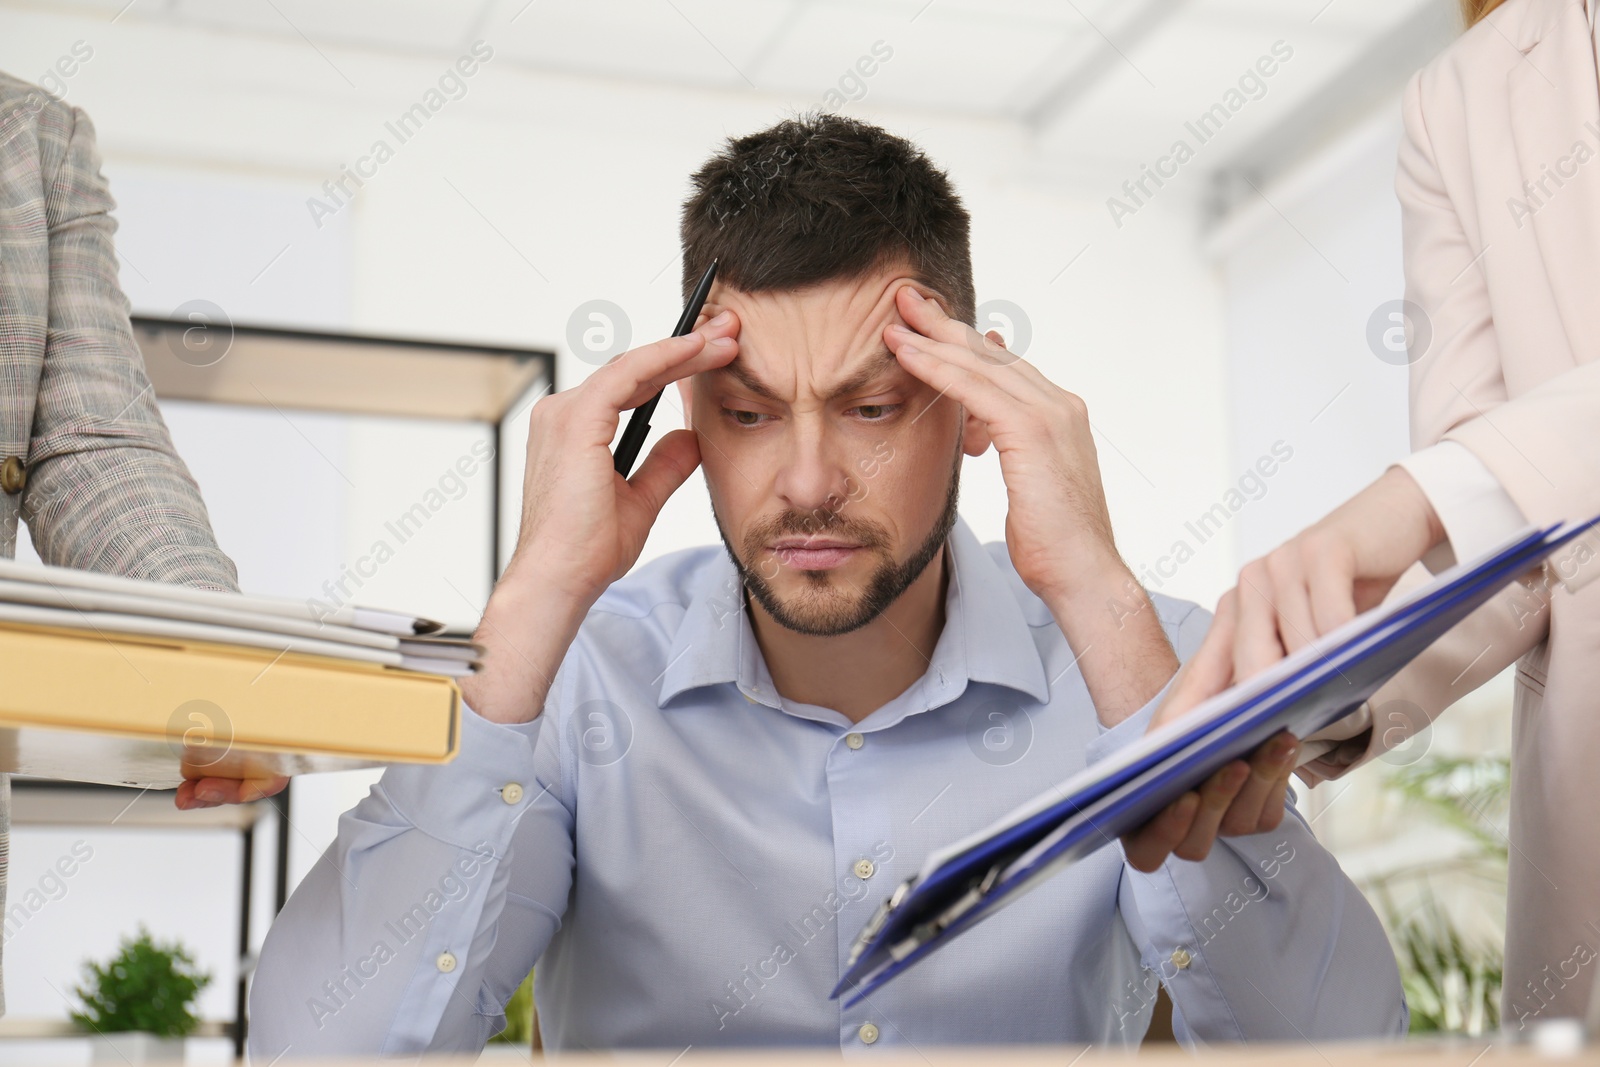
(800, 524)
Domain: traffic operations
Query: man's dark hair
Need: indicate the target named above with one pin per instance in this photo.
(822, 198)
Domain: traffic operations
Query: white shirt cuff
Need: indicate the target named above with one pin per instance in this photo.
(1475, 510)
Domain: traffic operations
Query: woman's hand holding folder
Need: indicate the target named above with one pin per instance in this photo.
(210, 792)
(1336, 568)
(1317, 581)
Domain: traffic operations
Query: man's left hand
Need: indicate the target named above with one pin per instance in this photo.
(1058, 529)
(1243, 797)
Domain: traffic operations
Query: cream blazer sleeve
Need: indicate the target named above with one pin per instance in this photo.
(1543, 447)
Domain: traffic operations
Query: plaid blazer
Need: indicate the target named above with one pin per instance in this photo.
(102, 488)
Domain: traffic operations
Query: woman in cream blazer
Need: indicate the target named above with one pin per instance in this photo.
(1499, 186)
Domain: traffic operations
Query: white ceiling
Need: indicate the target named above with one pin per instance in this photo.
(1099, 82)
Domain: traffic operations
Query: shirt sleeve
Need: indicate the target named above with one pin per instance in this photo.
(414, 928)
(1266, 939)
(1472, 505)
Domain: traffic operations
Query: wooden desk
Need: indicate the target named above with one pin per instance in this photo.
(1418, 1053)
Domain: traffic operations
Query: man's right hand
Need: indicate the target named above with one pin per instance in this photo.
(583, 524)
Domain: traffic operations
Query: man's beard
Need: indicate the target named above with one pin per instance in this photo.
(829, 617)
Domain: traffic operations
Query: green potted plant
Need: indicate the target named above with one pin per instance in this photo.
(1452, 977)
(521, 1022)
(136, 1006)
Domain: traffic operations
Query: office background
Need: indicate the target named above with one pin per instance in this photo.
(1227, 316)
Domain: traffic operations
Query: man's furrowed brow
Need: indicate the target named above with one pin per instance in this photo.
(880, 363)
(740, 373)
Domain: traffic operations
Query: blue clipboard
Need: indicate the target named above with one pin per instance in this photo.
(961, 885)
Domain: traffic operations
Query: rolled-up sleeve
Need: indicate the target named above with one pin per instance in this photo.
(417, 924)
(1266, 939)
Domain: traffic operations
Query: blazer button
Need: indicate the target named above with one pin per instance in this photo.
(13, 475)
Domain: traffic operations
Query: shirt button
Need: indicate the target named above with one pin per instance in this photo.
(854, 740)
(864, 870)
(446, 962)
(511, 792)
(868, 1033)
(1181, 959)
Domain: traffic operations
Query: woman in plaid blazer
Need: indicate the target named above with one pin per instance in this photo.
(85, 458)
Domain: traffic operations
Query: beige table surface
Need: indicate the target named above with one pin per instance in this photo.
(1418, 1053)
(1415, 1053)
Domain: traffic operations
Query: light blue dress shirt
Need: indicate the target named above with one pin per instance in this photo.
(687, 856)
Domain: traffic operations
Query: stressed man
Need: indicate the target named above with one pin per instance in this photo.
(683, 788)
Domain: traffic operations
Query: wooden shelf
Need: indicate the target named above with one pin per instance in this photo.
(25, 1029)
(45, 803)
(259, 367)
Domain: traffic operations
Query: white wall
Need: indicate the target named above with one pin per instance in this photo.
(1306, 271)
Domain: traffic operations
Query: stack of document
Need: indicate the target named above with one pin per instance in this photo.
(112, 679)
(962, 884)
(111, 604)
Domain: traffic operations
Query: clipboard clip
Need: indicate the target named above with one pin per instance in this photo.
(923, 932)
(874, 926)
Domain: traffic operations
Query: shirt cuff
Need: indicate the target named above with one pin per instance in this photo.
(1475, 510)
(1129, 730)
(488, 784)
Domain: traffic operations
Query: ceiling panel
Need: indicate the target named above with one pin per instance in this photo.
(403, 24)
(1193, 61)
(1357, 16)
(693, 42)
(1030, 15)
(948, 60)
(1109, 83)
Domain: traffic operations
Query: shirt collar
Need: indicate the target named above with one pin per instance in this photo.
(986, 637)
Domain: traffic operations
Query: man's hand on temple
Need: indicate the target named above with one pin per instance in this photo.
(1058, 529)
(583, 527)
(583, 524)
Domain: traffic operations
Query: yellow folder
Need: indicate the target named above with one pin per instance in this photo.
(86, 706)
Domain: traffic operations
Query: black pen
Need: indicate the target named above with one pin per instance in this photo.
(639, 424)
